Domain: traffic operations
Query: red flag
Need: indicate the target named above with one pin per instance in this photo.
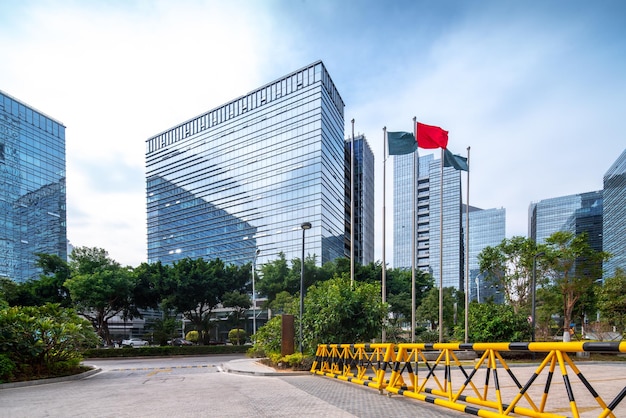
(430, 137)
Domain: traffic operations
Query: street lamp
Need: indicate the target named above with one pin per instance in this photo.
(256, 254)
(534, 294)
(304, 226)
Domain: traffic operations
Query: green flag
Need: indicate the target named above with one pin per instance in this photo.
(401, 143)
(455, 161)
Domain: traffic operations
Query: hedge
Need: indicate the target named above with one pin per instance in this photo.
(165, 351)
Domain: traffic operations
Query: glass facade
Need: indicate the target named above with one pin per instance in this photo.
(576, 213)
(428, 208)
(487, 228)
(246, 175)
(32, 189)
(363, 202)
(614, 218)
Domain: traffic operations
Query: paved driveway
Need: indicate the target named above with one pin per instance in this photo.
(198, 387)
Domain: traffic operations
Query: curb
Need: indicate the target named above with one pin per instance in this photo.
(37, 382)
(231, 368)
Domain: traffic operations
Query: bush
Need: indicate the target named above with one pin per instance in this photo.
(165, 351)
(192, 336)
(267, 339)
(7, 367)
(237, 336)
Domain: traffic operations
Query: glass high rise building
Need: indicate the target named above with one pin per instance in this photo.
(576, 213)
(614, 219)
(246, 175)
(363, 236)
(487, 228)
(428, 207)
(32, 189)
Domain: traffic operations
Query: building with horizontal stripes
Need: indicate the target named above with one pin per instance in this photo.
(247, 174)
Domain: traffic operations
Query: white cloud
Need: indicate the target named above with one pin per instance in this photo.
(536, 92)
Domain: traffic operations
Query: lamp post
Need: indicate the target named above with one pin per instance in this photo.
(534, 294)
(304, 226)
(256, 254)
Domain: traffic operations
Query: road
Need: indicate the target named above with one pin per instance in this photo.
(198, 387)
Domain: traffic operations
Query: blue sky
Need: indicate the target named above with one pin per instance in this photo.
(537, 89)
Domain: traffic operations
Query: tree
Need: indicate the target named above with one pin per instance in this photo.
(41, 339)
(509, 266)
(196, 287)
(399, 290)
(240, 303)
(574, 267)
(428, 310)
(612, 300)
(335, 313)
(276, 277)
(100, 288)
(493, 322)
(284, 303)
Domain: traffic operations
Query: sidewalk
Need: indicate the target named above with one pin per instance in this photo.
(253, 366)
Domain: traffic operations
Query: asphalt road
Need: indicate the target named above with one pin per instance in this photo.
(199, 387)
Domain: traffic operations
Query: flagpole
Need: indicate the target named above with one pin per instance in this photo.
(384, 266)
(352, 232)
(441, 252)
(413, 228)
(467, 272)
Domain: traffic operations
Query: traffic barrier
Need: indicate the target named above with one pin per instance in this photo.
(363, 364)
(409, 370)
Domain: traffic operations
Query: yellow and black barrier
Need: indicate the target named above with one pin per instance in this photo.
(433, 373)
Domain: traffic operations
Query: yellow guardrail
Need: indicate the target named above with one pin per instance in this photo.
(434, 373)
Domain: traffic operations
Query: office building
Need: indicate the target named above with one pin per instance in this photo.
(245, 175)
(363, 236)
(614, 218)
(427, 231)
(32, 189)
(576, 213)
(487, 228)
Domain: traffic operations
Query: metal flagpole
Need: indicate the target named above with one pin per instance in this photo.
(413, 227)
(441, 252)
(384, 266)
(467, 273)
(352, 234)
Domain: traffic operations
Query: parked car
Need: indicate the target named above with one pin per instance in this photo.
(134, 342)
(179, 342)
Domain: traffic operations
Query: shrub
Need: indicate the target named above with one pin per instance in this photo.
(7, 367)
(37, 338)
(267, 339)
(192, 336)
(237, 336)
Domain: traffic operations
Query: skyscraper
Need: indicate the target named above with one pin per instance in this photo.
(487, 229)
(614, 219)
(363, 236)
(32, 189)
(428, 211)
(246, 175)
(575, 213)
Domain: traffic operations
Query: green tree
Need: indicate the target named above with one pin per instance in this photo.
(428, 310)
(574, 267)
(399, 290)
(41, 340)
(612, 300)
(100, 288)
(493, 322)
(335, 313)
(284, 303)
(196, 287)
(276, 277)
(509, 266)
(239, 303)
